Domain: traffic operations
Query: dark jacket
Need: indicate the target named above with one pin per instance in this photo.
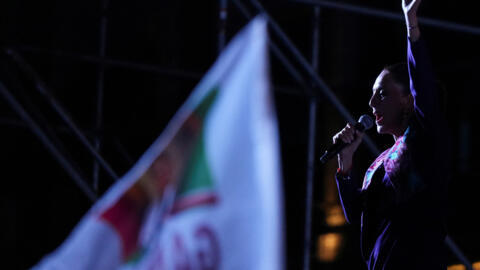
(401, 205)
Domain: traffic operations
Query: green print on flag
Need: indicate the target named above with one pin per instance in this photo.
(175, 208)
(196, 185)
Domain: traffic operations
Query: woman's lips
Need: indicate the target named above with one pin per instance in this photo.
(378, 118)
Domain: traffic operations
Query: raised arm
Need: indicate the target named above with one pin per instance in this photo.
(422, 82)
(428, 147)
(410, 8)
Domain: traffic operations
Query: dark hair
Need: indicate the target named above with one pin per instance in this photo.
(399, 73)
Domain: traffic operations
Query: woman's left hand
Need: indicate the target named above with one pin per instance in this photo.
(410, 8)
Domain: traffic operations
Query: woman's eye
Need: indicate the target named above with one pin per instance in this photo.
(381, 94)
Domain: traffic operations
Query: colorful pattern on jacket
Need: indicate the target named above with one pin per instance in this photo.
(390, 159)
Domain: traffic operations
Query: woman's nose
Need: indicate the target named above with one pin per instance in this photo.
(372, 102)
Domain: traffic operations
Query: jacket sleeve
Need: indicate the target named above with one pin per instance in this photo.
(427, 140)
(349, 191)
(422, 84)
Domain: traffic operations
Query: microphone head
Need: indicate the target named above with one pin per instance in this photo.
(366, 121)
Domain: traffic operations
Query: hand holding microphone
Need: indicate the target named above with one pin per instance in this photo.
(346, 142)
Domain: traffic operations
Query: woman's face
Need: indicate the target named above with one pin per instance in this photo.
(390, 104)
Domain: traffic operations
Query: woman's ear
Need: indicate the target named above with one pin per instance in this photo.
(407, 107)
(411, 101)
(408, 102)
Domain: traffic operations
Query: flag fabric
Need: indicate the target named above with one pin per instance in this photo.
(207, 193)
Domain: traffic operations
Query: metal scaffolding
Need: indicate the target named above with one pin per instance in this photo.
(312, 84)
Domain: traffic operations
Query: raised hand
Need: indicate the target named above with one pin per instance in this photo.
(410, 8)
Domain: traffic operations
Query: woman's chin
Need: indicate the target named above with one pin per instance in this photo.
(381, 129)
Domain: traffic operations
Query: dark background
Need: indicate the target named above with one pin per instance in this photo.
(40, 203)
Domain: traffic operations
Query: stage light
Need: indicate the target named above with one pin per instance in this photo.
(328, 246)
(334, 216)
(475, 266)
(456, 267)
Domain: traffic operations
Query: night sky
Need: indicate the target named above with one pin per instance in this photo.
(159, 52)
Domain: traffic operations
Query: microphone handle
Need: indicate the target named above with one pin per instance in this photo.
(332, 151)
(336, 148)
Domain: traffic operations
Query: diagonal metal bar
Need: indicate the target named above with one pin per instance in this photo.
(114, 63)
(48, 129)
(279, 54)
(456, 250)
(322, 86)
(329, 94)
(162, 70)
(456, 27)
(41, 87)
(316, 79)
(123, 151)
(14, 122)
(18, 108)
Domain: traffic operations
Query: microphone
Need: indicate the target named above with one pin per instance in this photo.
(364, 122)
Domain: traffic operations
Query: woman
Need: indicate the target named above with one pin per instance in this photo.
(401, 203)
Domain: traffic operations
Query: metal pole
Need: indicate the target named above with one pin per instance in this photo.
(312, 131)
(14, 122)
(115, 63)
(278, 53)
(171, 72)
(326, 91)
(456, 27)
(42, 121)
(425, 21)
(454, 248)
(42, 88)
(79, 181)
(100, 91)
(149, 68)
(121, 149)
(309, 186)
(329, 94)
(222, 16)
(316, 39)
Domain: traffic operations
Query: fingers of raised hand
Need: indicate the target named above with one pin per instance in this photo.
(408, 5)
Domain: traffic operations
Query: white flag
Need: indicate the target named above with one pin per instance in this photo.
(207, 193)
